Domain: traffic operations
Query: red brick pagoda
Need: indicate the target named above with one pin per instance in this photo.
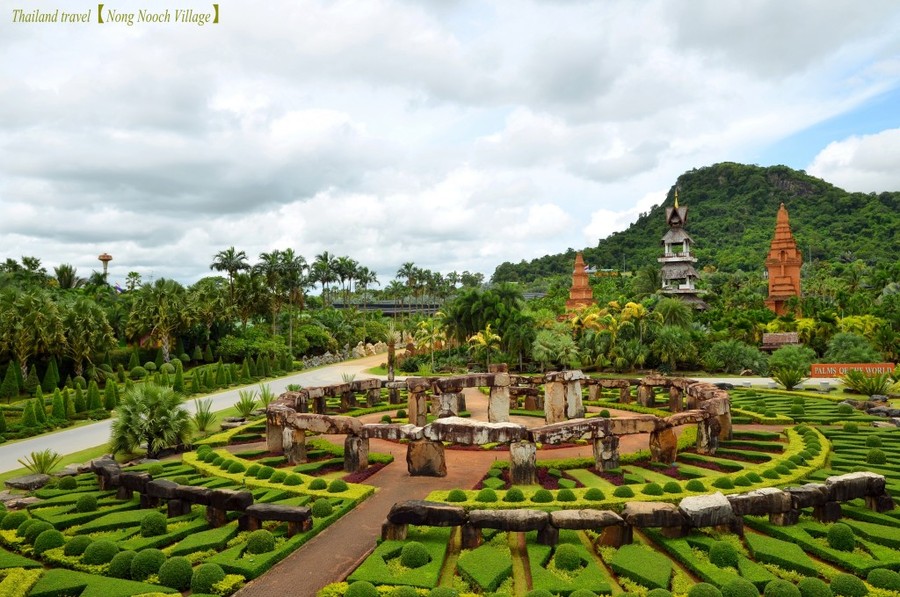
(783, 265)
(580, 294)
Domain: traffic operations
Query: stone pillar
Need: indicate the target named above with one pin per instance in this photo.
(425, 458)
(692, 402)
(708, 436)
(498, 402)
(320, 405)
(417, 406)
(274, 435)
(356, 453)
(880, 503)
(594, 392)
(783, 519)
(531, 402)
(674, 399)
(394, 532)
(294, 442)
(663, 445)
(448, 405)
(725, 432)
(177, 508)
(373, 397)
(645, 396)
(348, 400)
(606, 452)
(394, 396)
(616, 535)
(827, 512)
(471, 538)
(574, 402)
(522, 463)
(625, 395)
(216, 517)
(554, 402)
(549, 535)
(303, 404)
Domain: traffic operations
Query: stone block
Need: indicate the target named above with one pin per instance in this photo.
(606, 452)
(645, 396)
(880, 503)
(294, 445)
(783, 519)
(707, 510)
(663, 445)
(574, 402)
(827, 512)
(653, 514)
(471, 537)
(193, 494)
(522, 467)
(498, 404)
(161, 489)
(761, 502)
(616, 536)
(584, 519)
(843, 488)
(356, 454)
(177, 508)
(425, 513)
(809, 495)
(520, 520)
(460, 430)
(394, 532)
(554, 402)
(425, 458)
(30, 482)
(632, 424)
(571, 430)
(392, 431)
(549, 535)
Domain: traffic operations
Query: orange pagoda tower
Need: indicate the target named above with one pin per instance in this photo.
(783, 264)
(580, 294)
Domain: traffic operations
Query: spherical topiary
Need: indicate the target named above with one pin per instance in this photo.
(293, 480)
(486, 495)
(32, 532)
(120, 566)
(753, 477)
(176, 573)
(847, 585)
(12, 520)
(567, 557)
(704, 589)
(226, 464)
(278, 477)
(404, 591)
(456, 495)
(672, 487)
(321, 508)
(659, 593)
(882, 578)
(844, 409)
(203, 449)
(623, 491)
(23, 526)
(252, 470)
(797, 410)
(695, 485)
(153, 524)
(739, 587)
(742, 481)
(205, 576)
(876, 456)
(594, 494)
(337, 486)
(723, 554)
(414, 555)
(781, 588)
(851, 427)
(783, 469)
(77, 545)
(146, 563)
(565, 495)
(210, 457)
(514, 494)
(49, 539)
(99, 552)
(180, 480)
(652, 489)
(68, 483)
(723, 483)
(840, 537)
(539, 593)
(156, 470)
(265, 472)
(261, 541)
(86, 503)
(401, 414)
(873, 441)
(542, 496)
(318, 484)
(386, 419)
(236, 467)
(443, 592)
(138, 373)
(813, 587)
(361, 588)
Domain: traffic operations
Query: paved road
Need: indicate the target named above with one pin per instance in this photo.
(95, 434)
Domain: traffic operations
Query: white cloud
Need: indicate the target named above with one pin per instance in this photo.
(866, 163)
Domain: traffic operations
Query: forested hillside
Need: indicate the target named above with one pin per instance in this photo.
(731, 218)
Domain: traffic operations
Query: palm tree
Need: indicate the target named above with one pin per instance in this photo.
(294, 283)
(250, 295)
(485, 341)
(409, 271)
(160, 310)
(30, 324)
(430, 332)
(365, 277)
(232, 261)
(673, 311)
(270, 268)
(67, 276)
(323, 271)
(87, 331)
(208, 302)
(346, 270)
(150, 415)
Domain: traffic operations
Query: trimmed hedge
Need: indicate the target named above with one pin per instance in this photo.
(642, 565)
(486, 566)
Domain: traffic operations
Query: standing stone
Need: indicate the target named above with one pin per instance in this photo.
(645, 396)
(616, 535)
(394, 396)
(531, 402)
(320, 405)
(663, 445)
(274, 436)
(498, 404)
(708, 436)
(448, 405)
(574, 402)
(394, 532)
(625, 395)
(417, 406)
(549, 535)
(356, 453)
(554, 402)
(472, 537)
(522, 467)
(725, 432)
(425, 458)
(606, 453)
(294, 445)
(373, 396)
(594, 392)
(674, 399)
(828, 512)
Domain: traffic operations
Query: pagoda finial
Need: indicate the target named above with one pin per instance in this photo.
(676, 198)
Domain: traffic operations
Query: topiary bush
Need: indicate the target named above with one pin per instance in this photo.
(813, 587)
(882, 578)
(567, 557)
(156, 470)
(337, 486)
(876, 456)
(695, 485)
(514, 494)
(49, 539)
(623, 491)
(205, 576)
(361, 588)
(236, 467)
(844, 408)
(293, 480)
(146, 563)
(739, 587)
(261, 541)
(321, 508)
(252, 470)
(565, 495)
(847, 585)
(153, 524)
(77, 545)
(414, 555)
(69, 483)
(652, 489)
(99, 552)
(405, 591)
(120, 566)
(176, 573)
(265, 472)
(542, 496)
(594, 494)
(86, 503)
(35, 529)
(23, 526)
(723, 555)
(755, 478)
(672, 487)
(873, 441)
(318, 483)
(723, 483)
(486, 495)
(704, 589)
(840, 537)
(278, 477)
(456, 495)
(851, 427)
(180, 480)
(742, 481)
(575, 593)
(781, 588)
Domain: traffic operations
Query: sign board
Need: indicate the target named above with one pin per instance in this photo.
(838, 369)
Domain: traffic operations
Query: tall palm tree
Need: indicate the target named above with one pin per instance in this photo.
(30, 325)
(409, 271)
(270, 269)
(87, 331)
(323, 271)
(160, 310)
(346, 270)
(365, 277)
(67, 276)
(231, 261)
(294, 282)
(431, 332)
(208, 302)
(249, 297)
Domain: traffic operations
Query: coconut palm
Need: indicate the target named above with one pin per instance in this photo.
(430, 333)
(485, 341)
(323, 271)
(152, 416)
(231, 261)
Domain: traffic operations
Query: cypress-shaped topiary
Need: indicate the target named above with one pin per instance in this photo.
(58, 410)
(32, 382)
(80, 403)
(93, 397)
(29, 419)
(109, 395)
(10, 387)
(39, 413)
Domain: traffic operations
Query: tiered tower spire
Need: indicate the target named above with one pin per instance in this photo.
(678, 273)
(783, 264)
(580, 294)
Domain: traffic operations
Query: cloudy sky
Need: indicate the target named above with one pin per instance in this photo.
(455, 134)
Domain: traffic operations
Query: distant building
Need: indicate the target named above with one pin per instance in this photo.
(783, 265)
(678, 273)
(580, 294)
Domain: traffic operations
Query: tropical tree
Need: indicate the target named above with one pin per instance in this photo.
(150, 415)
(486, 342)
(208, 302)
(67, 276)
(430, 333)
(410, 272)
(673, 343)
(249, 296)
(271, 268)
(30, 325)
(346, 269)
(160, 310)
(674, 312)
(554, 346)
(87, 331)
(294, 283)
(364, 278)
(323, 272)
(231, 261)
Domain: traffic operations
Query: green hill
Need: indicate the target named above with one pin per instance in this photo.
(731, 217)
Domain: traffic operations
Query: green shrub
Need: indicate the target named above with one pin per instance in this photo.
(86, 503)
(266, 472)
(882, 578)
(540, 593)
(813, 587)
(414, 555)
(137, 373)
(781, 588)
(514, 495)
(623, 491)
(704, 589)
(293, 480)
(486, 495)
(456, 495)
(695, 485)
(386, 419)
(322, 508)
(13, 520)
(210, 458)
(261, 541)
(146, 563)
(278, 477)
(840, 537)
(77, 545)
(659, 593)
(252, 470)
(782, 469)
(876, 456)
(180, 480)
(176, 573)
(742, 481)
(120, 566)
(361, 588)
(739, 587)
(565, 495)
(542, 496)
(405, 591)
(100, 552)
(672, 487)
(204, 449)
(873, 441)
(594, 494)
(318, 484)
(847, 585)
(236, 467)
(153, 524)
(35, 529)
(723, 555)
(205, 576)
(156, 470)
(443, 592)
(652, 489)
(851, 427)
(494, 473)
(754, 478)
(49, 539)
(604, 413)
(67, 483)
(337, 486)
(401, 414)
(567, 557)
(723, 483)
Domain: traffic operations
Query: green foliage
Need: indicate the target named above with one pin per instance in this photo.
(840, 537)
(93, 396)
(704, 589)
(695, 485)
(322, 508)
(205, 576)
(652, 489)
(58, 411)
(873, 441)
(882, 578)
(868, 385)
(844, 409)
(337, 486)
(154, 524)
(203, 416)
(565, 495)
(723, 483)
(414, 555)
(846, 347)
(156, 470)
(261, 541)
(788, 377)
(146, 563)
(76, 545)
(734, 356)
(458, 495)
(109, 395)
(443, 592)
(513, 495)
(10, 387)
(279, 477)
(267, 471)
(542, 496)
(781, 588)
(672, 487)
(120, 565)
(35, 529)
(643, 565)
(361, 588)
(623, 491)
(567, 557)
(292, 480)
(247, 403)
(99, 552)
(176, 573)
(49, 539)
(151, 415)
(792, 357)
(86, 503)
(876, 456)
(236, 467)
(138, 373)
(42, 462)
(486, 495)
(739, 587)
(811, 586)
(723, 554)
(29, 419)
(594, 494)
(847, 585)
